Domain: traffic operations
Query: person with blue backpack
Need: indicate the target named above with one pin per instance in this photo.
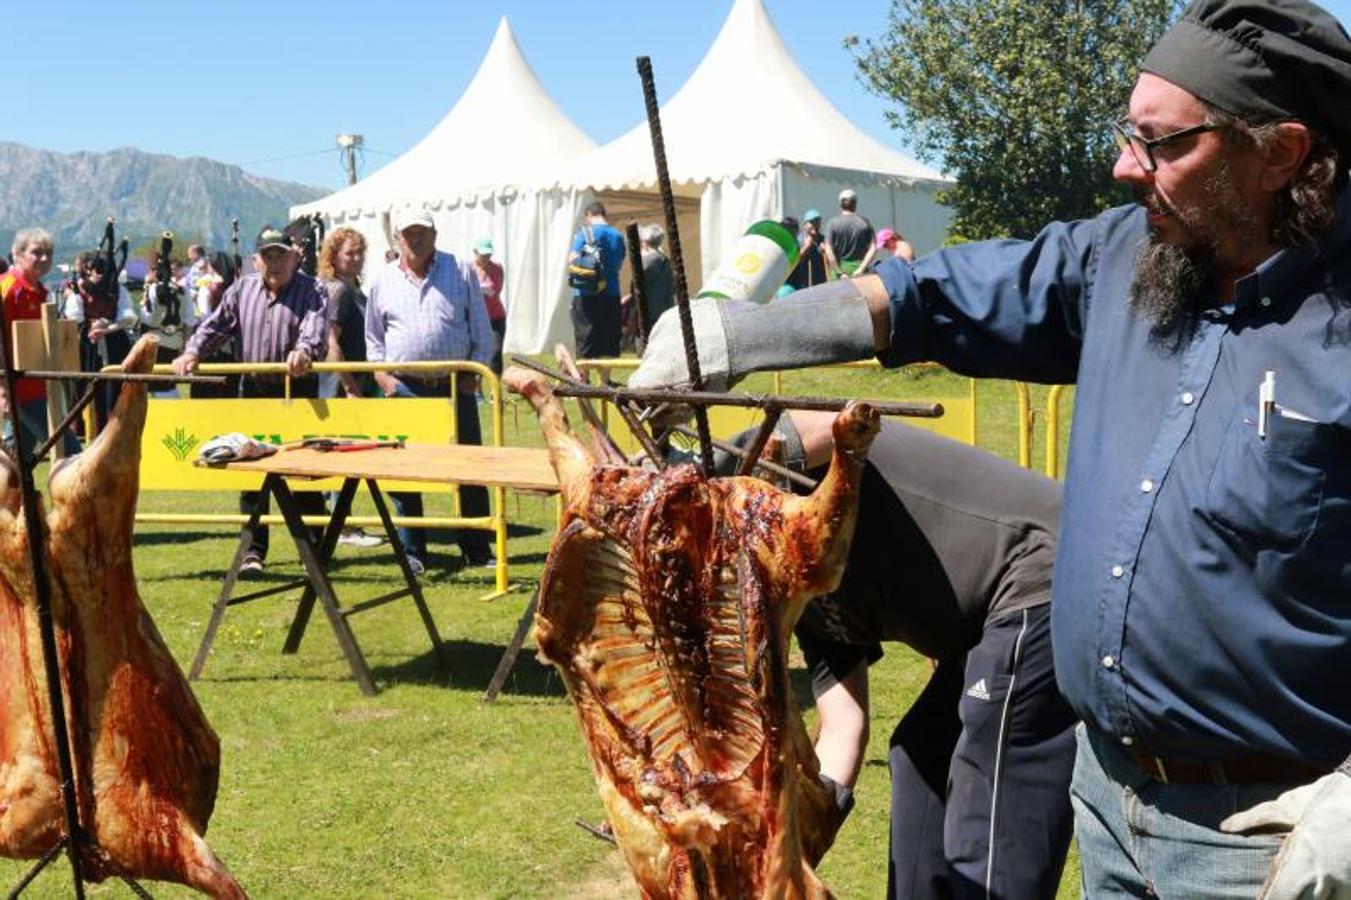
(593, 273)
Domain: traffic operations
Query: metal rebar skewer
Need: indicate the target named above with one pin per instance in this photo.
(682, 290)
(51, 662)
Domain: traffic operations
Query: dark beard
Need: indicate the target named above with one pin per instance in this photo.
(1169, 278)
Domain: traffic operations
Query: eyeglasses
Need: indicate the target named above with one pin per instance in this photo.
(1142, 148)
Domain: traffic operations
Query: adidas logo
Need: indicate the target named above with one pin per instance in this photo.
(979, 690)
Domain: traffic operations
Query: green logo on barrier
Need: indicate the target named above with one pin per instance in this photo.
(180, 443)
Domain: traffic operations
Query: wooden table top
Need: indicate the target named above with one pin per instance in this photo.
(518, 467)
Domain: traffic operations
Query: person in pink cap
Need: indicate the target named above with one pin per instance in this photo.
(887, 244)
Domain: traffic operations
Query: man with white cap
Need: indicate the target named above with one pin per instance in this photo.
(424, 306)
(1202, 588)
(849, 237)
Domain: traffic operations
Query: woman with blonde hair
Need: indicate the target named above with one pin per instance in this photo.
(341, 260)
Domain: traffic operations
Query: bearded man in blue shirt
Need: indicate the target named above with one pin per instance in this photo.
(1202, 588)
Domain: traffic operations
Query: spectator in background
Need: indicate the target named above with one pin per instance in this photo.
(23, 293)
(811, 268)
(596, 316)
(341, 260)
(426, 306)
(107, 323)
(658, 284)
(849, 237)
(218, 276)
(195, 270)
(491, 283)
(889, 243)
(275, 314)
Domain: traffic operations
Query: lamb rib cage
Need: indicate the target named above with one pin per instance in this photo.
(666, 605)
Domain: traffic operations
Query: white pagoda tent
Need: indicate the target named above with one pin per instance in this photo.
(747, 137)
(469, 183)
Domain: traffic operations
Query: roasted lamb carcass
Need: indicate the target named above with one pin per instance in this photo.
(666, 605)
(147, 760)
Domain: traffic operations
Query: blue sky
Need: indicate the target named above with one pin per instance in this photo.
(269, 85)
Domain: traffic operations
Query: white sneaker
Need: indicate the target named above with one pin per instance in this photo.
(355, 537)
(416, 566)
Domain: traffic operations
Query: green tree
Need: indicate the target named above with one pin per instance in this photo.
(1013, 98)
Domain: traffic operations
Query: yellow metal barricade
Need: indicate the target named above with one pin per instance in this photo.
(176, 428)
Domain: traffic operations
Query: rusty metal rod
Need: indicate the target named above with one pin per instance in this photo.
(682, 290)
(767, 465)
(596, 832)
(119, 376)
(59, 432)
(37, 548)
(649, 445)
(762, 436)
(569, 387)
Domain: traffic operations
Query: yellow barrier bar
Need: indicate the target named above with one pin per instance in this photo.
(483, 522)
(1053, 430)
(496, 522)
(1024, 424)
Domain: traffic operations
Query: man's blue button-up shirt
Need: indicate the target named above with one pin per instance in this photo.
(1202, 593)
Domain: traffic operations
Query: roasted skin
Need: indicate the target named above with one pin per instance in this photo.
(666, 605)
(147, 760)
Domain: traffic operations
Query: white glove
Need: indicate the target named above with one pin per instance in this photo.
(1314, 862)
(663, 363)
(224, 448)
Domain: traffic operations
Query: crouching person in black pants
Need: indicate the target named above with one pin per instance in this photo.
(952, 555)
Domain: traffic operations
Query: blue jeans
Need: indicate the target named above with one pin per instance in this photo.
(473, 497)
(1139, 837)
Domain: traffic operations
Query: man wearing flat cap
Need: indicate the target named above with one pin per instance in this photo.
(1201, 613)
(274, 314)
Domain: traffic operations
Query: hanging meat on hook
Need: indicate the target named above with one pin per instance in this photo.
(147, 761)
(666, 605)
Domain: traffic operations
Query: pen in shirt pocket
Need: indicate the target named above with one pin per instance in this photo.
(1266, 402)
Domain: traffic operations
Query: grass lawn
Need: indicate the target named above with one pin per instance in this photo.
(422, 791)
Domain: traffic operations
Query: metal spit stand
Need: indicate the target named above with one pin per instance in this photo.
(77, 841)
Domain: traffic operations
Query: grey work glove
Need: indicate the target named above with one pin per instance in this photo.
(829, 323)
(1314, 862)
(842, 805)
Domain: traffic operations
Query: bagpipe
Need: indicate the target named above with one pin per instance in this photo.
(307, 235)
(168, 293)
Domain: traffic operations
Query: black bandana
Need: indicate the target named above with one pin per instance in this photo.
(1263, 61)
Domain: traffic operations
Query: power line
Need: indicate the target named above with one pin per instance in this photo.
(259, 162)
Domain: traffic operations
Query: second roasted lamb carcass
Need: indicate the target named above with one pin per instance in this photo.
(666, 604)
(148, 761)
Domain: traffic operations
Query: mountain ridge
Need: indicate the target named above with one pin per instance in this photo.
(72, 194)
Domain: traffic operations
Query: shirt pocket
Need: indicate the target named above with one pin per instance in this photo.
(1267, 493)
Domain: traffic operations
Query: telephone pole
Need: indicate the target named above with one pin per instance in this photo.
(350, 147)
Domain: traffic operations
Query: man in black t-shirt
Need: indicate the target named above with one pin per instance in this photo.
(952, 554)
(849, 237)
